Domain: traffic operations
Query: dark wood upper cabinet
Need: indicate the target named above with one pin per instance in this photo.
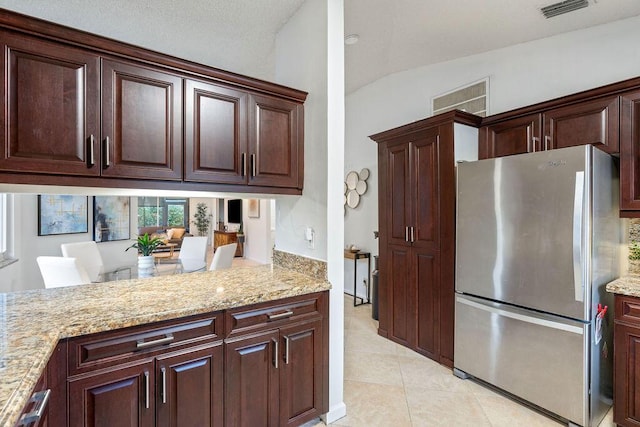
(630, 152)
(515, 136)
(141, 122)
(215, 133)
(276, 153)
(593, 122)
(83, 110)
(51, 107)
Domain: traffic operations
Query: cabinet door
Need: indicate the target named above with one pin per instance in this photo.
(401, 294)
(121, 397)
(27, 417)
(627, 375)
(630, 151)
(141, 122)
(426, 265)
(252, 380)
(425, 191)
(51, 105)
(215, 134)
(301, 373)
(594, 122)
(190, 388)
(275, 142)
(397, 197)
(515, 136)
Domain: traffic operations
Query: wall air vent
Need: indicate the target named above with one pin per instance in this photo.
(471, 98)
(563, 7)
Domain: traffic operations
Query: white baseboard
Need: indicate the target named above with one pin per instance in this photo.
(335, 413)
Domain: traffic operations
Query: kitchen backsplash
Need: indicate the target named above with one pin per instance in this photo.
(634, 238)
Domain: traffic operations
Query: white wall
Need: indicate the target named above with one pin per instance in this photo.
(257, 231)
(519, 75)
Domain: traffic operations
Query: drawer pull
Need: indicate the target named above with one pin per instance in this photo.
(287, 313)
(42, 397)
(146, 344)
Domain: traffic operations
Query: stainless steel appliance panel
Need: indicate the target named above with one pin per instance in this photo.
(522, 229)
(539, 358)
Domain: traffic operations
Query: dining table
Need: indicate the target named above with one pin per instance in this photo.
(167, 267)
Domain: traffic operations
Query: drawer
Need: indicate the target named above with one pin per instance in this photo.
(627, 309)
(97, 351)
(273, 314)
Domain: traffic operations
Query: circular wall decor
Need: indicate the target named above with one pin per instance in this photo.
(355, 185)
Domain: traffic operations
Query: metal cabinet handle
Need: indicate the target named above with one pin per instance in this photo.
(92, 158)
(547, 140)
(535, 140)
(142, 344)
(286, 350)
(146, 389)
(412, 235)
(42, 397)
(253, 165)
(107, 155)
(287, 313)
(406, 234)
(164, 384)
(275, 353)
(244, 165)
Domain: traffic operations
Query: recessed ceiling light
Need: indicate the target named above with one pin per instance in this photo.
(351, 39)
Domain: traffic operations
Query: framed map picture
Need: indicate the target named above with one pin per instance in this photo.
(61, 214)
(111, 218)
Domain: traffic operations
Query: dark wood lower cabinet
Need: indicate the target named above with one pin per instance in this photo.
(122, 396)
(626, 405)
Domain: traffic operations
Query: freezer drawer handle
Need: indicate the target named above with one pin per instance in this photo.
(522, 317)
(578, 206)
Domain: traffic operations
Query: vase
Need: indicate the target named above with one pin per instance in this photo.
(145, 266)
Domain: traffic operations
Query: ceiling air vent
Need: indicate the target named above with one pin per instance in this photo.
(563, 7)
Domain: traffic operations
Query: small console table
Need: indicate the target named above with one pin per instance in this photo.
(355, 256)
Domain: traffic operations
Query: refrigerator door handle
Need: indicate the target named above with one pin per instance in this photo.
(578, 211)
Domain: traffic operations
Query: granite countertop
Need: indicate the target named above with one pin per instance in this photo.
(627, 285)
(32, 322)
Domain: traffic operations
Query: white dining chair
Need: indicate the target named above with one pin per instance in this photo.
(62, 271)
(194, 248)
(223, 257)
(88, 256)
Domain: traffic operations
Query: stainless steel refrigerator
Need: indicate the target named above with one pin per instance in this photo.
(537, 239)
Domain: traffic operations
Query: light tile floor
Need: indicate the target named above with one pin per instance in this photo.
(388, 385)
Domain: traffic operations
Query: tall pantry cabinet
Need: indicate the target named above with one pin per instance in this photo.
(416, 201)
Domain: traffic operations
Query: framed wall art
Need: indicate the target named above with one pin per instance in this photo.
(62, 214)
(111, 218)
(254, 208)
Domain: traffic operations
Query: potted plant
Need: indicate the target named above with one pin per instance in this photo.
(202, 219)
(145, 245)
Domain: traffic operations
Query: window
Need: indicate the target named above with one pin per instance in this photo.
(166, 211)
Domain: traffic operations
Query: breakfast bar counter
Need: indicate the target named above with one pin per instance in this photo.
(627, 285)
(32, 322)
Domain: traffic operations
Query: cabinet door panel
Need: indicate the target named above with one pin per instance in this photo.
(190, 388)
(215, 134)
(627, 375)
(252, 382)
(52, 104)
(515, 136)
(402, 293)
(425, 190)
(397, 195)
(428, 303)
(301, 375)
(594, 122)
(115, 398)
(142, 117)
(630, 151)
(275, 143)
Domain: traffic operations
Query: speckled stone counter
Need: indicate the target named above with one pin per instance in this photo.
(32, 322)
(627, 285)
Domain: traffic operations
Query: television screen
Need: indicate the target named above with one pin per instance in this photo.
(234, 211)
